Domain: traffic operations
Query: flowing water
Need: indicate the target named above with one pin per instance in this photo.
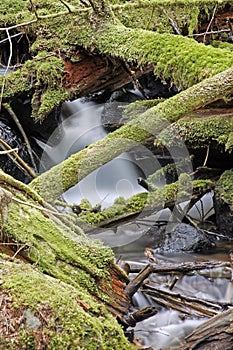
(81, 126)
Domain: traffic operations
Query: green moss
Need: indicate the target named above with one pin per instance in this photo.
(174, 57)
(157, 199)
(181, 59)
(224, 188)
(198, 133)
(66, 317)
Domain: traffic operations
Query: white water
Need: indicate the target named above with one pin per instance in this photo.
(80, 126)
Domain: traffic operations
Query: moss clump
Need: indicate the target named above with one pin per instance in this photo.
(198, 132)
(121, 208)
(159, 198)
(65, 318)
(224, 188)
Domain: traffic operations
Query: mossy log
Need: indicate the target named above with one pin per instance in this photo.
(68, 283)
(60, 178)
(51, 67)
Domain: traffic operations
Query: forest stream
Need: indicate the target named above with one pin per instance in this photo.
(80, 126)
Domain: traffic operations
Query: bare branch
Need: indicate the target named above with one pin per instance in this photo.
(17, 159)
(211, 21)
(9, 151)
(17, 122)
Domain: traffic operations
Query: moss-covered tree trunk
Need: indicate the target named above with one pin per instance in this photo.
(60, 178)
(61, 293)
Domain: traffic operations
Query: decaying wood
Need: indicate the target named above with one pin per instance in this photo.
(186, 268)
(135, 283)
(140, 315)
(95, 72)
(216, 333)
(185, 304)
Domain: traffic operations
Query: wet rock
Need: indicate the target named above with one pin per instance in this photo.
(223, 204)
(8, 135)
(181, 237)
(149, 88)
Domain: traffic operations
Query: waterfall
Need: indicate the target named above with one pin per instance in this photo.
(81, 126)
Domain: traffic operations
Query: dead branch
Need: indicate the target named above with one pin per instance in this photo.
(210, 23)
(17, 122)
(17, 159)
(143, 314)
(135, 283)
(188, 267)
(185, 304)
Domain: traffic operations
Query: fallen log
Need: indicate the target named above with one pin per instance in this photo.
(184, 304)
(216, 333)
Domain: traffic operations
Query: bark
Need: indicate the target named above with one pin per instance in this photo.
(215, 333)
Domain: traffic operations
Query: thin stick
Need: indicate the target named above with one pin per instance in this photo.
(53, 15)
(12, 36)
(173, 23)
(66, 5)
(9, 151)
(17, 122)
(209, 33)
(17, 159)
(211, 21)
(207, 155)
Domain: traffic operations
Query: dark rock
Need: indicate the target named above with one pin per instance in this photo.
(8, 135)
(182, 237)
(149, 88)
(223, 204)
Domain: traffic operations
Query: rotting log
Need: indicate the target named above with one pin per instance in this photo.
(44, 249)
(56, 253)
(93, 73)
(216, 333)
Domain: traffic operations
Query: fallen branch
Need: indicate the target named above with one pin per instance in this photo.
(135, 283)
(185, 304)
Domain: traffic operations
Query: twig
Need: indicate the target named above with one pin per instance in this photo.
(66, 5)
(12, 36)
(18, 160)
(207, 155)
(34, 9)
(173, 23)
(18, 251)
(17, 122)
(212, 32)
(53, 15)
(9, 151)
(210, 23)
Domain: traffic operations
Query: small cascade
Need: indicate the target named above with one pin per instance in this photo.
(81, 126)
